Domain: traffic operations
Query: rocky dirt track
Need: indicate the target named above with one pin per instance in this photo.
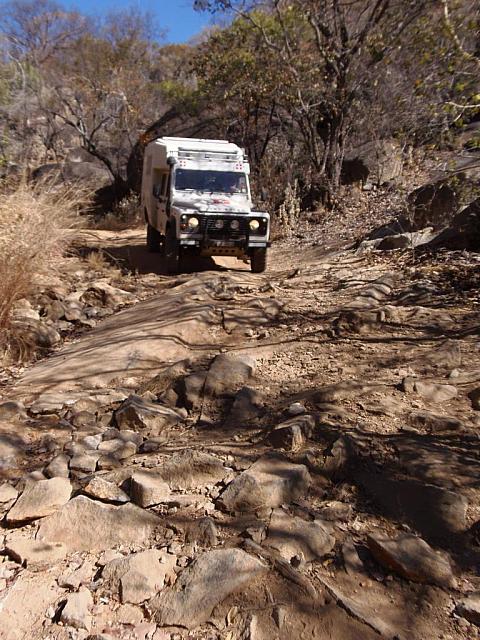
(235, 456)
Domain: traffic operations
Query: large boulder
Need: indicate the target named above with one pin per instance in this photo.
(433, 205)
(463, 232)
(40, 499)
(469, 608)
(437, 202)
(292, 536)
(36, 332)
(228, 373)
(412, 558)
(148, 488)
(138, 414)
(139, 576)
(76, 612)
(203, 585)
(86, 525)
(35, 555)
(191, 470)
(269, 482)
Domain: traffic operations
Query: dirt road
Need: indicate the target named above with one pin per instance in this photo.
(314, 431)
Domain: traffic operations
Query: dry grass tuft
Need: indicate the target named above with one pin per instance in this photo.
(34, 224)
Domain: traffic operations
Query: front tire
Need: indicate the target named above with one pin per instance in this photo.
(258, 262)
(172, 251)
(154, 239)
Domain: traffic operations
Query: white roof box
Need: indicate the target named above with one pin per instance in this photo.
(193, 147)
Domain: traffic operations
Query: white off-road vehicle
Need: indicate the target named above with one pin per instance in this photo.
(196, 199)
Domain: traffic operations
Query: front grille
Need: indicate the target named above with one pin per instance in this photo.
(209, 230)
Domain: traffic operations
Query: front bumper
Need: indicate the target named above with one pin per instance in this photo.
(216, 232)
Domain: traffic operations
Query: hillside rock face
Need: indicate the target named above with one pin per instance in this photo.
(376, 162)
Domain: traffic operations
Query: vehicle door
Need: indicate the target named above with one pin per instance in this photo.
(161, 193)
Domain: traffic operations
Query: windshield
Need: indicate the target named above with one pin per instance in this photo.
(210, 181)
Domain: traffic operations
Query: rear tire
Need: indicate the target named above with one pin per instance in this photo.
(172, 251)
(154, 239)
(258, 262)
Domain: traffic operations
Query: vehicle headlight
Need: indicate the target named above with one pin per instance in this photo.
(254, 225)
(234, 224)
(193, 223)
(218, 224)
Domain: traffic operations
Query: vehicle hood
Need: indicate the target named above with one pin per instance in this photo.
(212, 202)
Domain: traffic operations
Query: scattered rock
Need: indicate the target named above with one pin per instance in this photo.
(35, 555)
(435, 392)
(129, 614)
(58, 467)
(342, 391)
(80, 576)
(339, 456)
(367, 614)
(104, 294)
(203, 585)
(24, 604)
(412, 558)
(148, 488)
(137, 413)
(351, 559)
(292, 536)
(292, 434)
(85, 525)
(448, 354)
(406, 240)
(37, 332)
(192, 470)
(435, 423)
(139, 576)
(269, 482)
(7, 493)
(228, 373)
(107, 556)
(12, 409)
(104, 490)
(296, 409)
(247, 406)
(203, 532)
(191, 389)
(434, 511)
(39, 499)
(474, 397)
(86, 462)
(469, 608)
(76, 612)
(334, 510)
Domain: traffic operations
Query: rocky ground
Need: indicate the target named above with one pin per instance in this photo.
(221, 455)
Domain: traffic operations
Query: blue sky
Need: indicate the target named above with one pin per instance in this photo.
(176, 16)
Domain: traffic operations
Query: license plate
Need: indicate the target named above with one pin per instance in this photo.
(221, 243)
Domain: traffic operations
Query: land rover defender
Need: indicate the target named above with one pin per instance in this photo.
(196, 199)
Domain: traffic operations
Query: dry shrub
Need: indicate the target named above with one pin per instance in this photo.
(34, 233)
(288, 215)
(125, 215)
